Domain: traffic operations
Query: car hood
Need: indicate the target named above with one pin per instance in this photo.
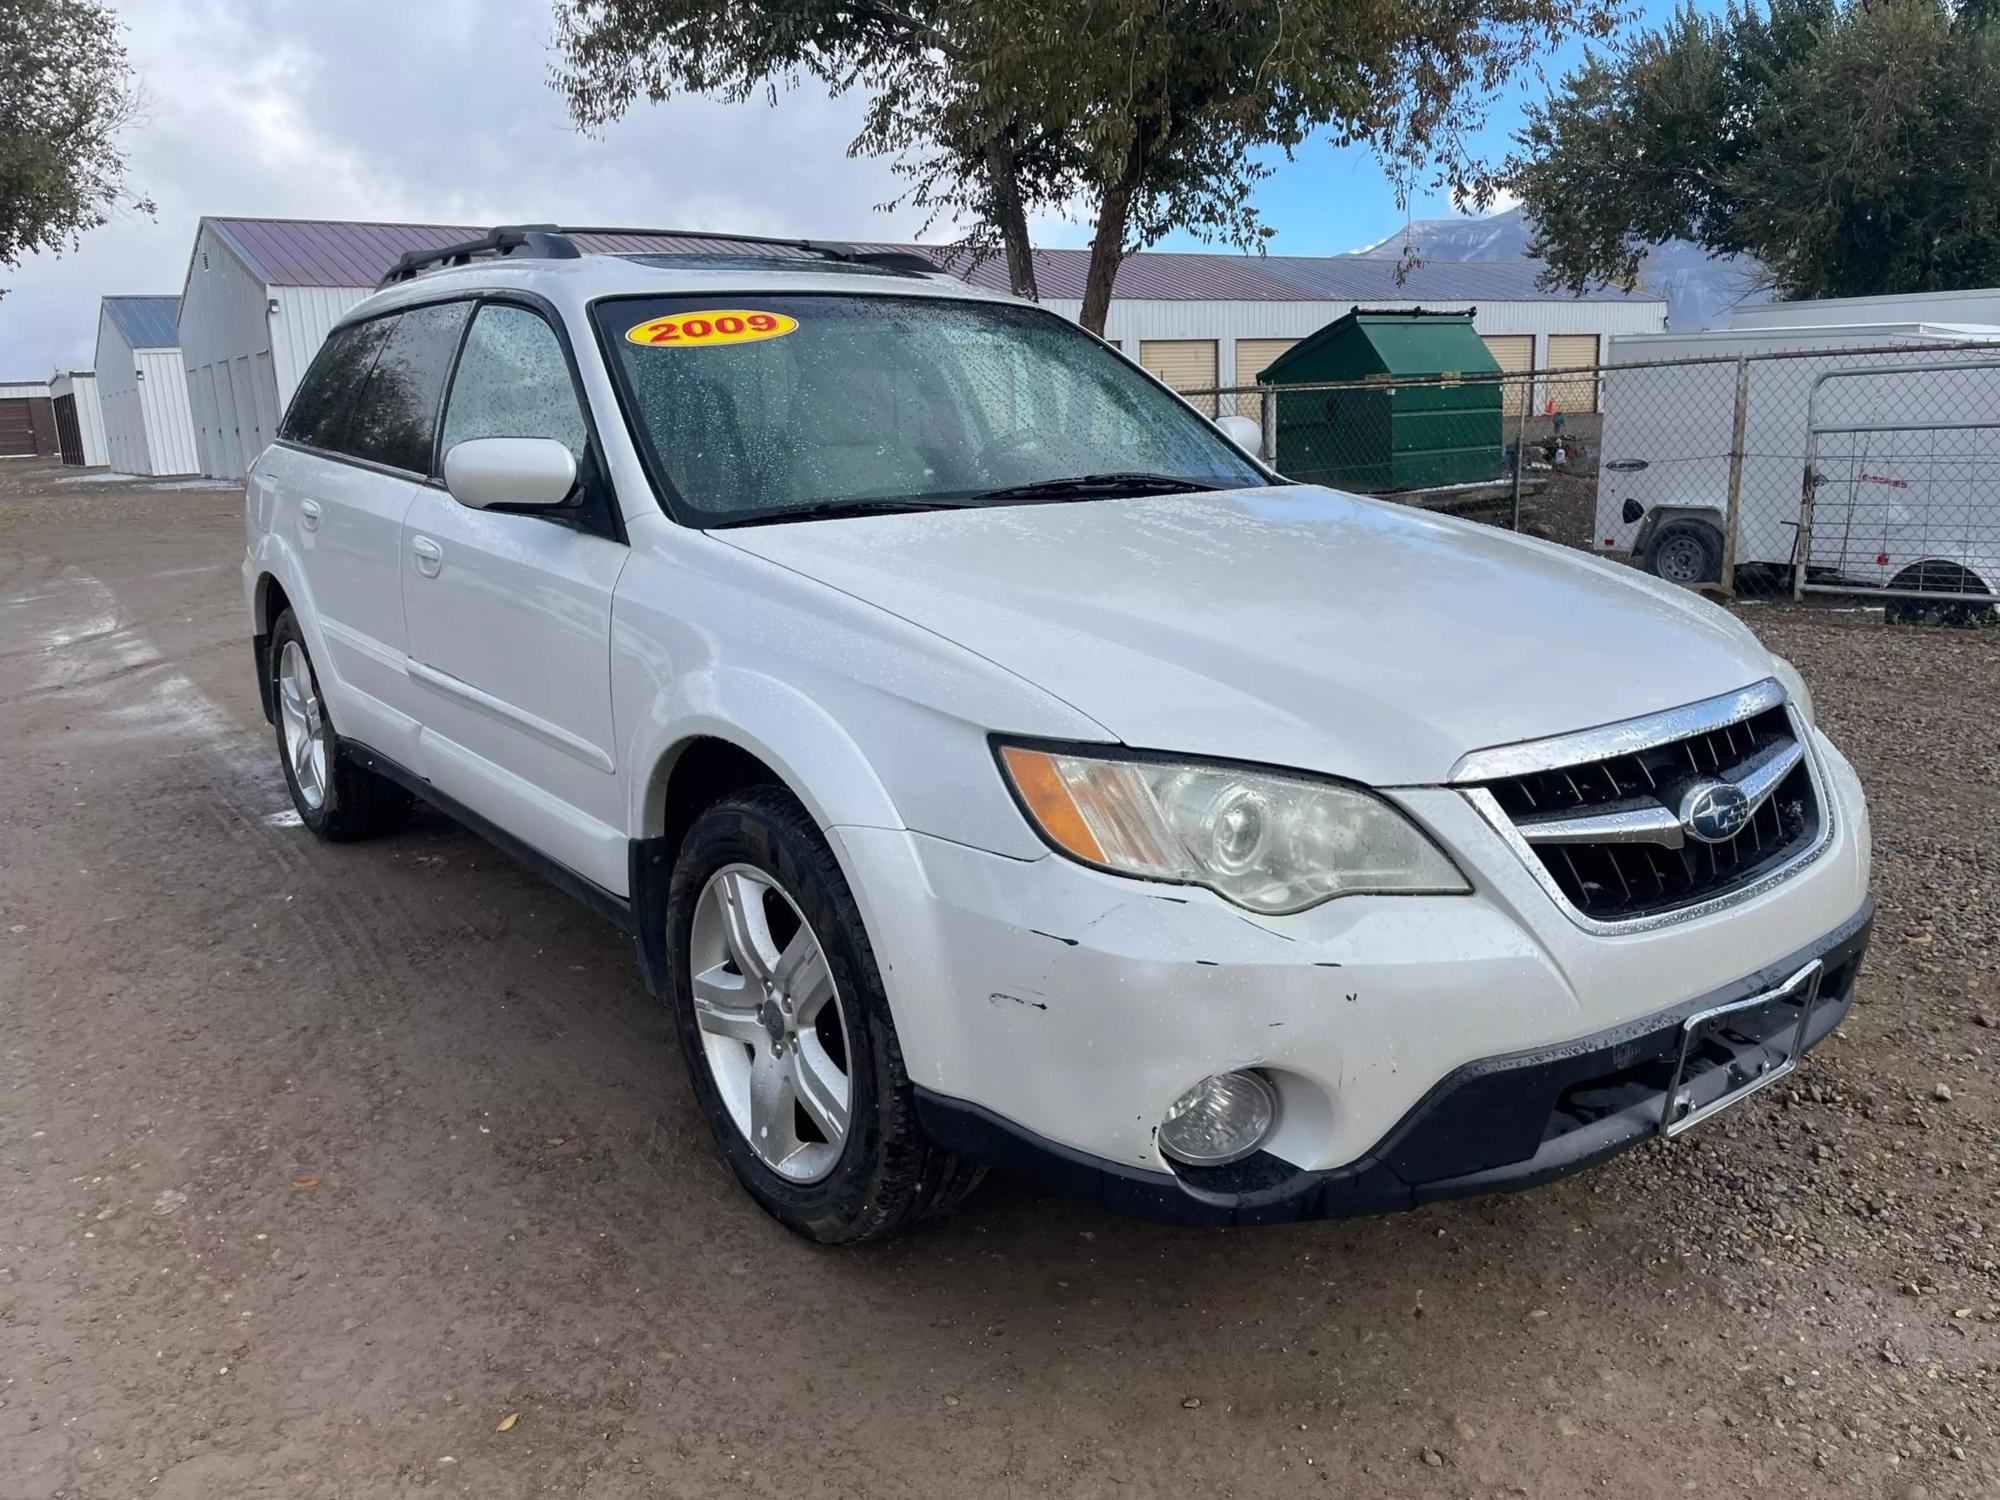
(1293, 626)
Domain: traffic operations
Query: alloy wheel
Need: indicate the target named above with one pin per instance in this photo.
(304, 725)
(772, 1025)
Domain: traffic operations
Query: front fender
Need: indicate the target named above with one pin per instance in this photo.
(772, 720)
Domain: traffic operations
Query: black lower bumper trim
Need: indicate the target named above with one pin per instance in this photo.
(1494, 1125)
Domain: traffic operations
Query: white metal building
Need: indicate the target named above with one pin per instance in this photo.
(1974, 305)
(1209, 320)
(142, 389)
(79, 418)
(261, 295)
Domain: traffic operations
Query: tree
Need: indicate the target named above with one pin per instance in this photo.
(1852, 146)
(66, 92)
(1146, 112)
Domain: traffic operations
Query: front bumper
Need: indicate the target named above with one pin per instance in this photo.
(1494, 1125)
(1076, 1006)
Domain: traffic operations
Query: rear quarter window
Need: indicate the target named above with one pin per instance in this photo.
(324, 401)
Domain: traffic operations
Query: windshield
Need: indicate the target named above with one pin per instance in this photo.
(757, 408)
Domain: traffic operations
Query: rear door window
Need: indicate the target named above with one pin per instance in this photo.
(318, 415)
(396, 413)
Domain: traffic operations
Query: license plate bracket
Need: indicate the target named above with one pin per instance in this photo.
(1729, 1052)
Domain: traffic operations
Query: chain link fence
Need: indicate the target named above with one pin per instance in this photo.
(1870, 470)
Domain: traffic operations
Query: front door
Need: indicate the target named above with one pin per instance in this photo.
(509, 617)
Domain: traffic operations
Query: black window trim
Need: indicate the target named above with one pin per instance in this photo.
(668, 498)
(599, 514)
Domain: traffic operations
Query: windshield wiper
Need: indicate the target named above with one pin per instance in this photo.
(1098, 484)
(824, 510)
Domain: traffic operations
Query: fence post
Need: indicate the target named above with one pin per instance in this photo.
(1808, 495)
(1733, 517)
(1521, 445)
(1267, 417)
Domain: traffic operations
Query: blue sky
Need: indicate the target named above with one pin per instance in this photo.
(440, 111)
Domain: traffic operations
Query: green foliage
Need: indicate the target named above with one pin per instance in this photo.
(66, 92)
(1147, 112)
(1852, 147)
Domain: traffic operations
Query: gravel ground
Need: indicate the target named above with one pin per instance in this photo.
(370, 1171)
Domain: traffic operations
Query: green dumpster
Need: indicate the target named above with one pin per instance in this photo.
(1381, 435)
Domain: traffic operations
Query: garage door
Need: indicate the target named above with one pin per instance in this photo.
(1253, 356)
(1512, 352)
(1573, 351)
(17, 427)
(1184, 364)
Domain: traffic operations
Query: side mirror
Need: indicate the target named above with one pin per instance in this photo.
(510, 473)
(1243, 432)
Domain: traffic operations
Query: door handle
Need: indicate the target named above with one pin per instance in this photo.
(430, 556)
(309, 514)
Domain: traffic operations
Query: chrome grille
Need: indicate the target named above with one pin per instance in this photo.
(1617, 835)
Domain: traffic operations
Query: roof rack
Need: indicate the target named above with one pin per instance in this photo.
(558, 242)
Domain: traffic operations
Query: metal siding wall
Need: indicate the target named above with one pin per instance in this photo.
(299, 327)
(118, 396)
(224, 317)
(169, 422)
(1294, 320)
(89, 414)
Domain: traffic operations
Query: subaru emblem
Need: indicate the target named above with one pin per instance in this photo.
(1714, 811)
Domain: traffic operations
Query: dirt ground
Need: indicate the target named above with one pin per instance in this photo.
(320, 1167)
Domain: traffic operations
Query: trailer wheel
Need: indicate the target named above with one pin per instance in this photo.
(1686, 552)
(1935, 576)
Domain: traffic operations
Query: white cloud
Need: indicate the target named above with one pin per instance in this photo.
(382, 109)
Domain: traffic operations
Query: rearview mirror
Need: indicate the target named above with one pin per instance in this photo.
(1243, 432)
(510, 473)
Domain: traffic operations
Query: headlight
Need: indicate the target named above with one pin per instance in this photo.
(1794, 686)
(1269, 842)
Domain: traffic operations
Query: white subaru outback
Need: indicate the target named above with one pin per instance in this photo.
(994, 763)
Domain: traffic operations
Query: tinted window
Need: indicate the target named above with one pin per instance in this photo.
(395, 416)
(513, 381)
(762, 407)
(318, 414)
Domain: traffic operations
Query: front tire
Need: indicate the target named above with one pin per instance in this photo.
(786, 1030)
(337, 799)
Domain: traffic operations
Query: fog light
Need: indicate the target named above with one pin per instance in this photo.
(1221, 1119)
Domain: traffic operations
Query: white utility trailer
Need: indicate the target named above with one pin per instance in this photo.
(1900, 429)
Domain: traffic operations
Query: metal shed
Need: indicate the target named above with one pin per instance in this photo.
(27, 419)
(1389, 436)
(142, 388)
(79, 419)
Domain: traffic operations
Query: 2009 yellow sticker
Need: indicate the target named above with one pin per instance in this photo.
(719, 325)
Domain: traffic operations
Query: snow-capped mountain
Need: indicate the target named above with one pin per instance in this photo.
(1700, 288)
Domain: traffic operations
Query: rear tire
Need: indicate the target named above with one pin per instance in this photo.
(1686, 552)
(787, 1033)
(1943, 579)
(337, 799)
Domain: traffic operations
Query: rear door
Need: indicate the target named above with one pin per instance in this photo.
(510, 613)
(359, 440)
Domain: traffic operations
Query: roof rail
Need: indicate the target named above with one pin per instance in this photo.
(892, 260)
(557, 242)
(537, 241)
